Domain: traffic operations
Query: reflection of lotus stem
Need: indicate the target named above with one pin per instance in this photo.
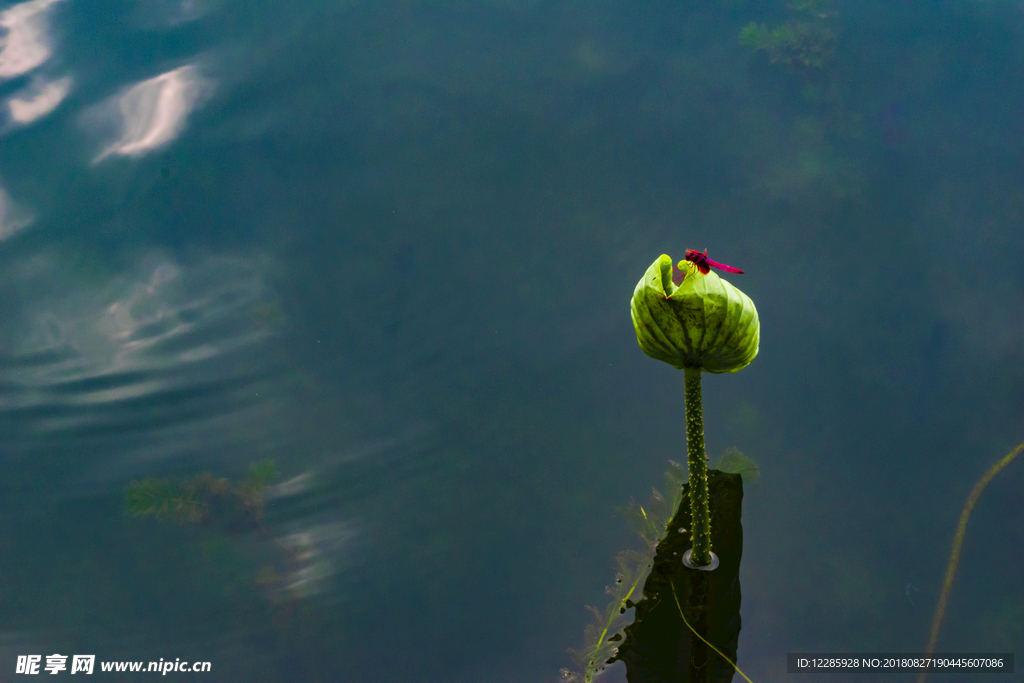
(697, 464)
(958, 542)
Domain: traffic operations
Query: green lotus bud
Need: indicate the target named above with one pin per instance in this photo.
(704, 323)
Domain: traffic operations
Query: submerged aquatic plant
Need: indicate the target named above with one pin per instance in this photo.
(252, 490)
(190, 500)
(806, 40)
(238, 507)
(703, 325)
(187, 501)
(604, 635)
(958, 542)
(807, 44)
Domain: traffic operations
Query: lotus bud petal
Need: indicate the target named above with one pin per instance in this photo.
(705, 322)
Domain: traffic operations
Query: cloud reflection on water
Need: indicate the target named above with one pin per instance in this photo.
(13, 218)
(27, 43)
(38, 100)
(152, 113)
(170, 349)
(27, 46)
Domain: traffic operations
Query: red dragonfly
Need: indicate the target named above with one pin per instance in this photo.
(704, 264)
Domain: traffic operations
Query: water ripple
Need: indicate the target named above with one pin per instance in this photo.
(171, 350)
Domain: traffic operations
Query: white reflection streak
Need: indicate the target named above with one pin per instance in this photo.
(309, 557)
(154, 330)
(40, 100)
(153, 112)
(26, 44)
(12, 217)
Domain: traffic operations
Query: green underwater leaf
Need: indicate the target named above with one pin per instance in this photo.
(755, 36)
(262, 473)
(735, 462)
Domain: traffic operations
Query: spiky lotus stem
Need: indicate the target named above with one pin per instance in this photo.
(697, 464)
